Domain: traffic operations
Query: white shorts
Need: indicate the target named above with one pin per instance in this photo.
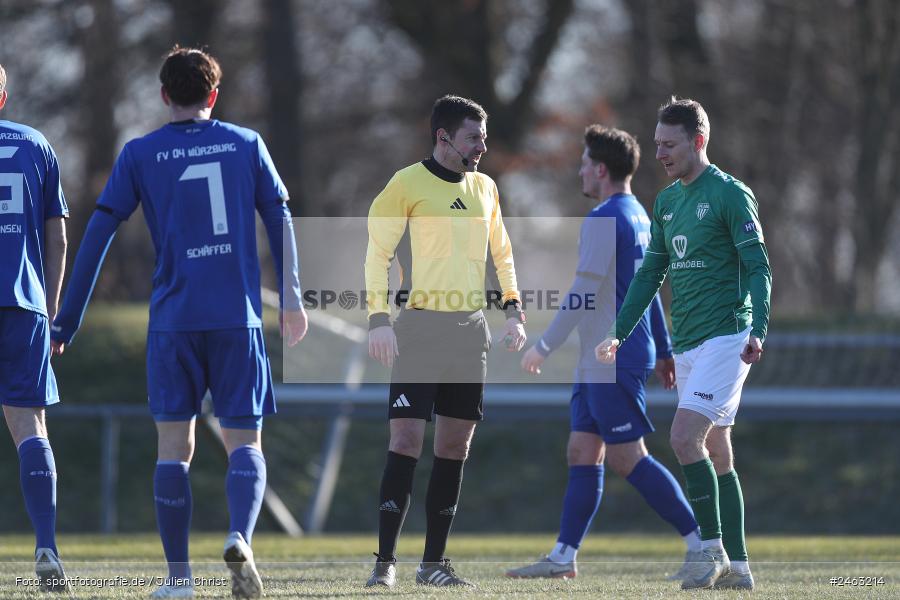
(710, 377)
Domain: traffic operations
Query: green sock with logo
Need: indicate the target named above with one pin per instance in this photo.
(731, 507)
(703, 494)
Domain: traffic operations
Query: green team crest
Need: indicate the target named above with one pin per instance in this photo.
(702, 209)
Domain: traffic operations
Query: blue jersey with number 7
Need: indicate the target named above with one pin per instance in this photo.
(199, 184)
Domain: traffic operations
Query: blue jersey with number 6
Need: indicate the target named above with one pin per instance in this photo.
(30, 194)
(199, 184)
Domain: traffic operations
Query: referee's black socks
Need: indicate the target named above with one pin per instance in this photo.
(396, 487)
(440, 506)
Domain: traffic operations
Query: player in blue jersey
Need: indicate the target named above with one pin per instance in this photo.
(32, 260)
(608, 410)
(200, 183)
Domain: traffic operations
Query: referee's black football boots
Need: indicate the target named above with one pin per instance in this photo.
(384, 573)
(440, 574)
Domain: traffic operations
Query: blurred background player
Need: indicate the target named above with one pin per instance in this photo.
(706, 233)
(447, 217)
(200, 183)
(608, 410)
(32, 261)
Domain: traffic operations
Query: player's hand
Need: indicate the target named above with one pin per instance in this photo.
(532, 361)
(383, 345)
(57, 348)
(606, 350)
(514, 337)
(294, 324)
(753, 350)
(665, 371)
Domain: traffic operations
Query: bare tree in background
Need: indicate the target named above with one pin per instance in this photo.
(877, 121)
(803, 95)
(101, 48)
(777, 139)
(284, 86)
(198, 23)
(459, 40)
(100, 44)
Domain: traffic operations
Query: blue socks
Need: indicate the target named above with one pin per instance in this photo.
(245, 485)
(663, 493)
(37, 473)
(655, 483)
(580, 503)
(172, 497)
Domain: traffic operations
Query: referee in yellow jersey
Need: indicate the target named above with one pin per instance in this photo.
(439, 218)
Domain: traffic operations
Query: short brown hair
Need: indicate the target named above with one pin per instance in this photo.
(2, 79)
(189, 75)
(450, 111)
(687, 113)
(616, 149)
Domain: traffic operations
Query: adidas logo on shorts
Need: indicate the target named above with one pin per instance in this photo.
(389, 506)
(401, 402)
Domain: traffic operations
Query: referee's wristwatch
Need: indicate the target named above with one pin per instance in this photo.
(514, 310)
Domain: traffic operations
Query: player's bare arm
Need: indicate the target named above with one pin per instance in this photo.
(55, 264)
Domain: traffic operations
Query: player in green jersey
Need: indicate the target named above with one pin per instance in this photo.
(706, 235)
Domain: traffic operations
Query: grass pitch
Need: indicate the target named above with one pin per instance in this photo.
(336, 566)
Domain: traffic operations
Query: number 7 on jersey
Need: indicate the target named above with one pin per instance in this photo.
(212, 173)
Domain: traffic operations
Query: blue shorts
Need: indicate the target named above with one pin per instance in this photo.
(617, 412)
(231, 363)
(26, 377)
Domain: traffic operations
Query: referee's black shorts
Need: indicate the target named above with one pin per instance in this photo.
(442, 365)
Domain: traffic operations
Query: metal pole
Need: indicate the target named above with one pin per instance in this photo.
(332, 455)
(335, 443)
(109, 472)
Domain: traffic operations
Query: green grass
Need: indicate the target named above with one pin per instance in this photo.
(610, 566)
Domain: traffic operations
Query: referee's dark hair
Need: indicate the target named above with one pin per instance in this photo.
(687, 113)
(449, 112)
(615, 148)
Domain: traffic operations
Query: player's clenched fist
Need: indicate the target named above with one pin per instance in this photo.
(606, 351)
(753, 350)
(383, 345)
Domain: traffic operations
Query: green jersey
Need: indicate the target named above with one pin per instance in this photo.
(706, 235)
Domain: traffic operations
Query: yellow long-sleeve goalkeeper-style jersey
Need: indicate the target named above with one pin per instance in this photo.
(453, 219)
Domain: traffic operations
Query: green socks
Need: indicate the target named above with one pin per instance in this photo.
(718, 506)
(703, 494)
(731, 507)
